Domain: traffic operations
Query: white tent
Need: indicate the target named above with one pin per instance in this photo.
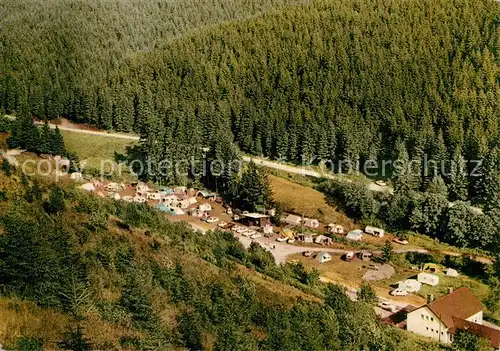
(450, 272)
(323, 257)
(177, 211)
(87, 187)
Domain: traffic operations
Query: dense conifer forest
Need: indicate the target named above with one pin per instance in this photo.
(338, 80)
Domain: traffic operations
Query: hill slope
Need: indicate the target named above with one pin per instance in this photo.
(80, 271)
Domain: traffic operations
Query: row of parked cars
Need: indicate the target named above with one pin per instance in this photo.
(238, 229)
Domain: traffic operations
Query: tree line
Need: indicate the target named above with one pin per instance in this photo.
(429, 212)
(26, 135)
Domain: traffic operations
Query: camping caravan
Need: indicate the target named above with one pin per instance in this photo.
(427, 278)
(183, 204)
(168, 199)
(355, 235)
(374, 231)
(205, 207)
(154, 196)
(410, 285)
(113, 187)
(87, 187)
(139, 199)
(335, 228)
(323, 240)
(196, 213)
(192, 200)
(292, 220)
(311, 223)
(306, 237)
(142, 188)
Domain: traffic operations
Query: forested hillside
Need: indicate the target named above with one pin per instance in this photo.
(56, 55)
(81, 272)
(333, 79)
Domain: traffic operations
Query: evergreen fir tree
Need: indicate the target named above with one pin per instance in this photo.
(437, 186)
(57, 143)
(254, 188)
(6, 167)
(490, 180)
(45, 139)
(459, 184)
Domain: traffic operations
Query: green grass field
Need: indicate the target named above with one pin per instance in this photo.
(99, 152)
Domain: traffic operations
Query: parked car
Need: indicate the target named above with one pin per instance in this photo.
(373, 266)
(256, 236)
(349, 256)
(388, 306)
(241, 230)
(219, 199)
(290, 241)
(212, 220)
(236, 218)
(249, 232)
(281, 239)
(399, 292)
(307, 253)
(229, 211)
(222, 224)
(401, 242)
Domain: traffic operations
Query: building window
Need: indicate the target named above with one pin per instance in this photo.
(432, 319)
(422, 316)
(427, 328)
(432, 330)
